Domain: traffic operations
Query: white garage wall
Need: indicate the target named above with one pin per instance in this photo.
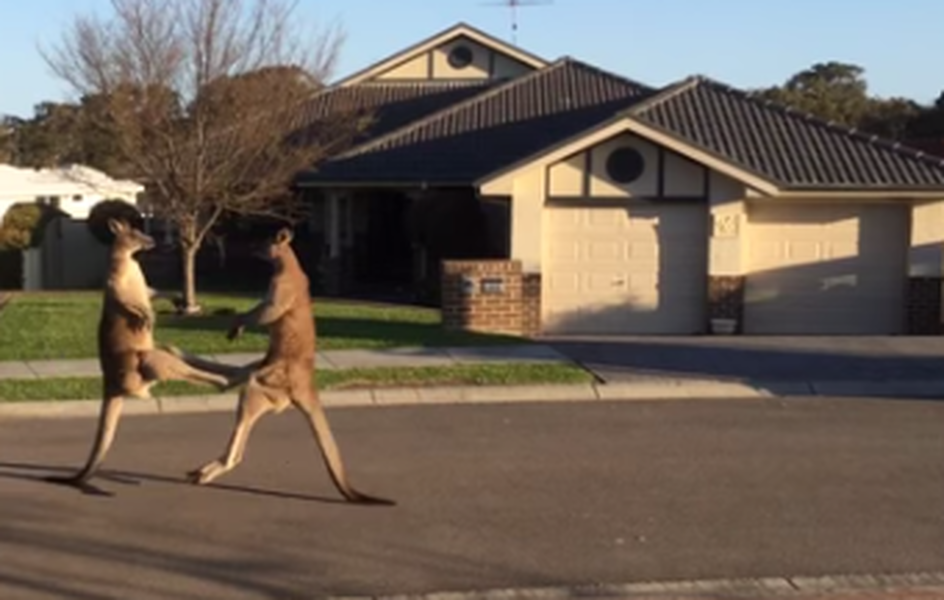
(827, 268)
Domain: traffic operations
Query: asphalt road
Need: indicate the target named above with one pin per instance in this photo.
(488, 496)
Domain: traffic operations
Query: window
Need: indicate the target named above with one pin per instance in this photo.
(625, 165)
(460, 57)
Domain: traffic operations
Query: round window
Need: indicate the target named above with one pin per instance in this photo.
(460, 57)
(625, 165)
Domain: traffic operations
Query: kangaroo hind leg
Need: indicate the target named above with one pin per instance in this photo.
(109, 416)
(160, 365)
(253, 404)
(308, 403)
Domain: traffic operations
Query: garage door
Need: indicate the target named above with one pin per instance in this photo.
(827, 269)
(625, 268)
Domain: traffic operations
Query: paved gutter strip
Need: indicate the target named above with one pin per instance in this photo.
(768, 587)
(432, 395)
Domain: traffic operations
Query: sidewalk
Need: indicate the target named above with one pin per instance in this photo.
(915, 586)
(327, 360)
(637, 385)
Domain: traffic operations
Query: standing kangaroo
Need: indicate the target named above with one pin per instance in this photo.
(130, 364)
(284, 375)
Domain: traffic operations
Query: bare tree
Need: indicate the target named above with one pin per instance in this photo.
(207, 102)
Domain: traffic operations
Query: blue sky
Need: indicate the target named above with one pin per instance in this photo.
(747, 43)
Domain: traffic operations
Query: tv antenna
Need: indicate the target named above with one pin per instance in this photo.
(513, 6)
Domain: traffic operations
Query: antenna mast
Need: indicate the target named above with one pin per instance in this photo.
(513, 5)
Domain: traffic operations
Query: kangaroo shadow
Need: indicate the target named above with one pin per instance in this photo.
(55, 475)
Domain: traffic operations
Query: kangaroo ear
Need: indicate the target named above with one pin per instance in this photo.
(284, 236)
(117, 226)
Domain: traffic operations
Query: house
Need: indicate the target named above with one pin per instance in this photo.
(69, 257)
(565, 199)
(74, 189)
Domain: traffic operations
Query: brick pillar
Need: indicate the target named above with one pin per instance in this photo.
(485, 296)
(726, 298)
(531, 308)
(924, 305)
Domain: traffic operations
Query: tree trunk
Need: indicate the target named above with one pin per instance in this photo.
(188, 253)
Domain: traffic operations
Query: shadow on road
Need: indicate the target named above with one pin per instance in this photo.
(756, 360)
(41, 474)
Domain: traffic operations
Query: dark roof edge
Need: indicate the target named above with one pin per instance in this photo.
(853, 132)
(485, 95)
(308, 179)
(453, 28)
(839, 187)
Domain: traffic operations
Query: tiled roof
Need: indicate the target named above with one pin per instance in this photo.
(493, 129)
(933, 146)
(390, 104)
(791, 148)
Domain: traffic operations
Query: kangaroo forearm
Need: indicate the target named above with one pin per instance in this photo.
(264, 313)
(138, 311)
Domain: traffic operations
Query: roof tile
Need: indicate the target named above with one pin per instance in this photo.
(391, 104)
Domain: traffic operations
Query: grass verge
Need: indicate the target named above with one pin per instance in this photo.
(86, 388)
(36, 326)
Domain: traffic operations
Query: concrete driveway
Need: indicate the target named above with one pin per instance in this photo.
(742, 358)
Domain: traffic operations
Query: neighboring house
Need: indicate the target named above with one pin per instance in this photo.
(628, 209)
(74, 189)
(69, 256)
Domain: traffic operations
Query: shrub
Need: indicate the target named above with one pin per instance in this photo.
(24, 225)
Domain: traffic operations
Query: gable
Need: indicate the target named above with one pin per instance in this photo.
(459, 58)
(460, 53)
(662, 173)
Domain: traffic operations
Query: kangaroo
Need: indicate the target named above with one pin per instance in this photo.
(284, 376)
(129, 361)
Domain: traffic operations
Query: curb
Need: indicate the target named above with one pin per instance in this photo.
(767, 587)
(432, 396)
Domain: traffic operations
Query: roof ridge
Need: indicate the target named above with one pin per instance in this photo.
(662, 95)
(600, 70)
(413, 125)
(852, 132)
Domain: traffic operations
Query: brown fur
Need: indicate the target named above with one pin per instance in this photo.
(284, 375)
(130, 364)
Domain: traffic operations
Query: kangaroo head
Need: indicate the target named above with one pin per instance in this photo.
(278, 246)
(128, 240)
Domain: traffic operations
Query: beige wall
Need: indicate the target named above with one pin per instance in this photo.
(926, 256)
(680, 177)
(434, 64)
(566, 178)
(417, 68)
(527, 220)
(728, 241)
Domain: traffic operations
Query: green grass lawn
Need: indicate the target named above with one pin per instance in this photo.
(489, 374)
(63, 325)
